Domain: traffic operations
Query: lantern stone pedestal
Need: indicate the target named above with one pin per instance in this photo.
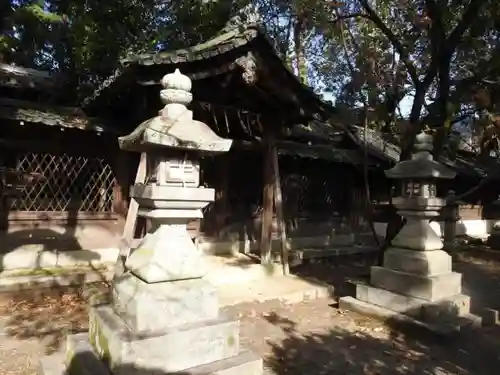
(163, 317)
(416, 283)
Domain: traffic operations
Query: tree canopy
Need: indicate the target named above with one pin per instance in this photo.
(408, 64)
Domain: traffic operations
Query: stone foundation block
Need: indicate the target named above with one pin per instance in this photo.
(447, 309)
(402, 321)
(175, 349)
(149, 308)
(431, 288)
(426, 263)
(82, 360)
(416, 307)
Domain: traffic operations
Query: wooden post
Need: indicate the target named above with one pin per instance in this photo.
(126, 241)
(267, 201)
(451, 218)
(221, 198)
(120, 205)
(280, 219)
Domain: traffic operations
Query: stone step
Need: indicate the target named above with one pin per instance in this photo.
(457, 305)
(246, 363)
(54, 365)
(432, 288)
(401, 321)
(84, 361)
(175, 349)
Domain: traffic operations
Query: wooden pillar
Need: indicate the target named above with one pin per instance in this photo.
(280, 218)
(121, 182)
(451, 217)
(221, 194)
(267, 200)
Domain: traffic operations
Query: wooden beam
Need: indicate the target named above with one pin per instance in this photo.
(131, 221)
(155, 78)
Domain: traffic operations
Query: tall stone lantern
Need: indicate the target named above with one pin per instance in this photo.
(163, 316)
(416, 281)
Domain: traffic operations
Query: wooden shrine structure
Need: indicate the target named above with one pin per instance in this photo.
(285, 146)
(243, 91)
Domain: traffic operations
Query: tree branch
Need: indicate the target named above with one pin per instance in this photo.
(467, 18)
(403, 53)
(348, 16)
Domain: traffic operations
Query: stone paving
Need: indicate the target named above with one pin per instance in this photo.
(306, 338)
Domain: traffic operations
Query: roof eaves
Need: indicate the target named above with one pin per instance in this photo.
(216, 46)
(64, 117)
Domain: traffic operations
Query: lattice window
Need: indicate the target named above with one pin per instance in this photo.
(71, 183)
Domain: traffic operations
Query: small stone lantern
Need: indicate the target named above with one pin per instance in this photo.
(416, 278)
(164, 316)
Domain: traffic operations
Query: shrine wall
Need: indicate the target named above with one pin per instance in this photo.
(80, 202)
(319, 197)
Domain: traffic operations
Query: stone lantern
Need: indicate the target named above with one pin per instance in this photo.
(418, 202)
(416, 281)
(163, 316)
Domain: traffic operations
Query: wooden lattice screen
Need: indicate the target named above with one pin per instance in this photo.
(71, 183)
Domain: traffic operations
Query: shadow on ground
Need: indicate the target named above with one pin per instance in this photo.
(340, 351)
(355, 347)
(48, 315)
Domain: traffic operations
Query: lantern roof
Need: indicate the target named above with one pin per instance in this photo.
(174, 127)
(422, 165)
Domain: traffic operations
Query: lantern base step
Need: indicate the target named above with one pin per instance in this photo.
(430, 288)
(402, 321)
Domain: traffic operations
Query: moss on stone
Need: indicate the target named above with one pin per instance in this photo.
(53, 271)
(99, 342)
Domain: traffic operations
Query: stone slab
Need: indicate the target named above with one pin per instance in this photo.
(176, 349)
(83, 361)
(426, 263)
(287, 289)
(54, 365)
(416, 307)
(432, 288)
(50, 278)
(149, 308)
(246, 363)
(402, 321)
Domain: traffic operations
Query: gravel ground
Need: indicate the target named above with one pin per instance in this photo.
(308, 338)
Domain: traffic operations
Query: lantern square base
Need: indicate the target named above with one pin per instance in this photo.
(437, 311)
(425, 263)
(430, 288)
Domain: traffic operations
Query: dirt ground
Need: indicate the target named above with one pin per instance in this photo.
(308, 338)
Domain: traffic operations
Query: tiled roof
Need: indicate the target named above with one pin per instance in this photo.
(65, 117)
(221, 44)
(378, 145)
(24, 78)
